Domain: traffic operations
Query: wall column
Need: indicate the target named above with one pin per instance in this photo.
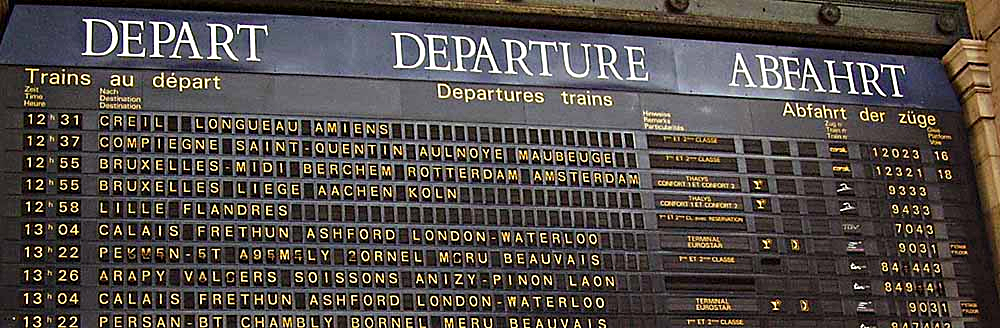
(968, 66)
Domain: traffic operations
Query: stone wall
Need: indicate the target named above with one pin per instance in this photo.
(974, 67)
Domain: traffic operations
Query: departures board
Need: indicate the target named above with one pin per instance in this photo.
(191, 169)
